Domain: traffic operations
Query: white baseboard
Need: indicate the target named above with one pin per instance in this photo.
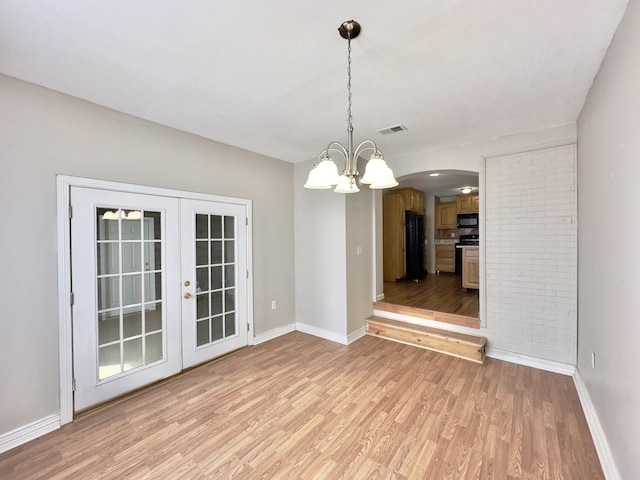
(271, 334)
(520, 359)
(322, 333)
(599, 439)
(534, 362)
(357, 335)
(29, 432)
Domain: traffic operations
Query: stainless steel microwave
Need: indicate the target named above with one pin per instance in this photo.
(468, 220)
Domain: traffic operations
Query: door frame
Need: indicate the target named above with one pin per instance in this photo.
(63, 215)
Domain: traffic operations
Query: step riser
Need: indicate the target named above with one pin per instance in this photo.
(471, 322)
(469, 348)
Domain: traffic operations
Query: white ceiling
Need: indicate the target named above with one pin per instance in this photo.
(270, 76)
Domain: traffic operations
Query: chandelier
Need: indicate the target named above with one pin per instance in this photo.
(324, 173)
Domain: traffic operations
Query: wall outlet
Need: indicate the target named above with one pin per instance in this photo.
(358, 251)
(274, 304)
(453, 235)
(593, 360)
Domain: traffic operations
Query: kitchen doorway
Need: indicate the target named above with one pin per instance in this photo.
(439, 296)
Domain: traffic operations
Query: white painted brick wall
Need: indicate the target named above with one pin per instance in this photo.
(530, 241)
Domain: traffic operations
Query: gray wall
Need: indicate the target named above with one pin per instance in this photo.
(321, 276)
(44, 133)
(608, 232)
(360, 234)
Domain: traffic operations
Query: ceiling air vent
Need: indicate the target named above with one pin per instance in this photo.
(394, 129)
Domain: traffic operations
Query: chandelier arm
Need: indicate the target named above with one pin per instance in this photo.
(366, 145)
(340, 150)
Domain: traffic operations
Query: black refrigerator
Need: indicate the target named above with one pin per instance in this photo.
(414, 231)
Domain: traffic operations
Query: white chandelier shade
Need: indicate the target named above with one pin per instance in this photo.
(346, 185)
(323, 175)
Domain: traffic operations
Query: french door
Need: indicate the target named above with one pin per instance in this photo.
(159, 284)
(214, 321)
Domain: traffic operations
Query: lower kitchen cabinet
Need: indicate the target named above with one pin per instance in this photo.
(470, 267)
(445, 257)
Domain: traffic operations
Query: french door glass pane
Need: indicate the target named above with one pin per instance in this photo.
(153, 317)
(216, 226)
(217, 331)
(202, 332)
(109, 253)
(132, 323)
(109, 327)
(133, 354)
(202, 255)
(153, 347)
(131, 257)
(108, 292)
(230, 323)
(216, 278)
(129, 278)
(152, 255)
(152, 230)
(202, 279)
(216, 252)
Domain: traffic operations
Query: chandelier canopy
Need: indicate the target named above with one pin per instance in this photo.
(324, 173)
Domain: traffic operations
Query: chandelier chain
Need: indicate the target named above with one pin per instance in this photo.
(349, 117)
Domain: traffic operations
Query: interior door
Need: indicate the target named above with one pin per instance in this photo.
(125, 272)
(214, 279)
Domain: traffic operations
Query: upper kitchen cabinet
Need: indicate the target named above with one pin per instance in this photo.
(468, 203)
(413, 199)
(446, 214)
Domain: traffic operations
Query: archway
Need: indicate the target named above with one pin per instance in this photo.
(443, 292)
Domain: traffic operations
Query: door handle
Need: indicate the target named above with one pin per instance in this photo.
(187, 295)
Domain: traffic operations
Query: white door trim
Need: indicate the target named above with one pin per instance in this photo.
(64, 184)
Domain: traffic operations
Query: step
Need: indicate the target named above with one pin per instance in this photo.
(463, 321)
(469, 347)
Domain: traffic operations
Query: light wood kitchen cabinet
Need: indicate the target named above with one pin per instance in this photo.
(468, 203)
(470, 267)
(445, 257)
(446, 215)
(413, 199)
(393, 237)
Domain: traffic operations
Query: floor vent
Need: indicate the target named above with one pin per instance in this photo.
(469, 347)
(394, 129)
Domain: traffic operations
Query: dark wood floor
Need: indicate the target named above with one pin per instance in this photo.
(442, 293)
(299, 407)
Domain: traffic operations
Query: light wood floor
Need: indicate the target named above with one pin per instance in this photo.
(303, 407)
(441, 293)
